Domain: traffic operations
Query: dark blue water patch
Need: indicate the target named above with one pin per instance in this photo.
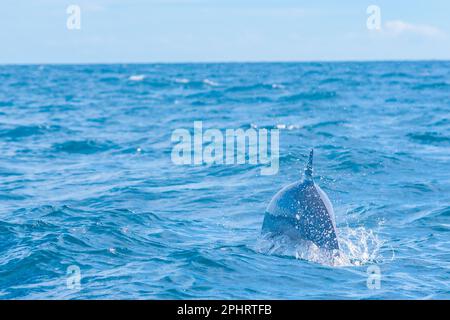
(8, 196)
(431, 138)
(397, 75)
(442, 122)
(432, 86)
(332, 81)
(7, 172)
(8, 236)
(200, 261)
(6, 103)
(309, 96)
(19, 132)
(254, 88)
(432, 220)
(83, 146)
(443, 212)
(219, 97)
(31, 268)
(418, 187)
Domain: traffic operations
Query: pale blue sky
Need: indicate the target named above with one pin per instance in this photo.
(34, 31)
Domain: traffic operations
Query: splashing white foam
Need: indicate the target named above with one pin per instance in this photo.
(358, 246)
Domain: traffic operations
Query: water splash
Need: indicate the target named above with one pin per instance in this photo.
(358, 246)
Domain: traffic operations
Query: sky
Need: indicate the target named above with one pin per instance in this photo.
(141, 31)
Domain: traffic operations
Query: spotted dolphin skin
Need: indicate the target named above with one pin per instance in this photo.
(302, 210)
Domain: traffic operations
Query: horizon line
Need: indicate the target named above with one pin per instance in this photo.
(223, 62)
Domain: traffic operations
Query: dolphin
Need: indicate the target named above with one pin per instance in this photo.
(302, 211)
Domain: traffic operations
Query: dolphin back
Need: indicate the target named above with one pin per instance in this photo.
(302, 210)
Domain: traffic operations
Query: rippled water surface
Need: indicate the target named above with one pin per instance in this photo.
(86, 180)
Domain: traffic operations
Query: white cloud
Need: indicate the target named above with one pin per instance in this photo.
(399, 27)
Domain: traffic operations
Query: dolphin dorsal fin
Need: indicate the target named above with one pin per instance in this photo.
(309, 166)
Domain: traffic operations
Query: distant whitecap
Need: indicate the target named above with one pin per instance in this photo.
(282, 126)
(210, 82)
(182, 80)
(137, 77)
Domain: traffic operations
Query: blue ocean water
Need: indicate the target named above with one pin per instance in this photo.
(86, 180)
